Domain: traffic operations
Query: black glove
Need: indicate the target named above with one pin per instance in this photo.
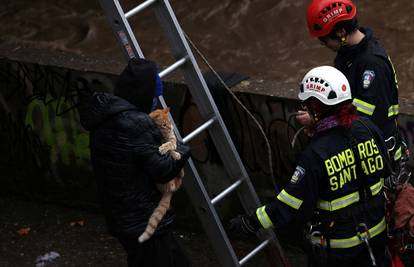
(243, 226)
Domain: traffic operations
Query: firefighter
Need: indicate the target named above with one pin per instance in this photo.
(338, 181)
(364, 62)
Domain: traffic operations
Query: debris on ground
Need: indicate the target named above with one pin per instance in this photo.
(23, 231)
(44, 260)
(77, 223)
(91, 244)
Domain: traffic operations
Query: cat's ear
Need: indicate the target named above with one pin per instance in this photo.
(167, 109)
(153, 114)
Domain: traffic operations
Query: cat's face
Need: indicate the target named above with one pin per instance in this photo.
(160, 118)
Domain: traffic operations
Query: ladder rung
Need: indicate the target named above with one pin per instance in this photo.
(139, 8)
(199, 130)
(172, 67)
(227, 191)
(254, 252)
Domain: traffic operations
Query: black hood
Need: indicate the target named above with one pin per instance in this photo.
(101, 107)
(136, 84)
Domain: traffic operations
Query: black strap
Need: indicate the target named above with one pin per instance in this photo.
(378, 139)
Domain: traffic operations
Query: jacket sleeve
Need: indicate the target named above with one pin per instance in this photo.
(372, 93)
(296, 201)
(161, 168)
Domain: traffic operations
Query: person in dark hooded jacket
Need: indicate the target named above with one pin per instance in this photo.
(124, 145)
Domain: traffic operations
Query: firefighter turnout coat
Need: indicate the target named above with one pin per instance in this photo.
(374, 85)
(339, 177)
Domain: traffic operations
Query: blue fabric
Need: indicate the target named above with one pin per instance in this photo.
(159, 89)
(155, 104)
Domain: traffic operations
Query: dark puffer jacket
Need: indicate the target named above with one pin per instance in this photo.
(124, 145)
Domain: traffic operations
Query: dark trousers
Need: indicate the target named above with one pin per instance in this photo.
(159, 251)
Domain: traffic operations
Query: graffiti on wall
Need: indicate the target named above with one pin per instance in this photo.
(273, 115)
(40, 127)
(40, 119)
(20, 145)
(68, 144)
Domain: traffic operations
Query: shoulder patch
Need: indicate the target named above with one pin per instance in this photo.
(367, 78)
(297, 175)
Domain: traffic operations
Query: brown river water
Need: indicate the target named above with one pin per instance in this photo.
(261, 38)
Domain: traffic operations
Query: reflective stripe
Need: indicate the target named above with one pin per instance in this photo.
(376, 188)
(393, 110)
(395, 73)
(363, 107)
(289, 199)
(397, 154)
(263, 217)
(347, 200)
(339, 203)
(355, 240)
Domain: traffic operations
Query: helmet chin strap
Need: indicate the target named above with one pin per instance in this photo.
(318, 116)
(314, 115)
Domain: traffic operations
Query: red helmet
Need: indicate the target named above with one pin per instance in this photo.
(322, 15)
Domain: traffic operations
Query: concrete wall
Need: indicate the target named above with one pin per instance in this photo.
(44, 150)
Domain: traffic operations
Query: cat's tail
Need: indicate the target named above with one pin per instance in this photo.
(156, 217)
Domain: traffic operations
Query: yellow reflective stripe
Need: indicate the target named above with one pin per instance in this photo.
(376, 188)
(363, 107)
(393, 110)
(263, 217)
(339, 203)
(397, 154)
(347, 200)
(395, 73)
(289, 200)
(355, 240)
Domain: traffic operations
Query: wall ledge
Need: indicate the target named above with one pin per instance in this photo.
(114, 67)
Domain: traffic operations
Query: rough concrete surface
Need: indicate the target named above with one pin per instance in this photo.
(54, 228)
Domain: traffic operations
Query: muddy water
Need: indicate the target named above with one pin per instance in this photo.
(261, 38)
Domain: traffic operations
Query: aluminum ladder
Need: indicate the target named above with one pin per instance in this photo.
(240, 182)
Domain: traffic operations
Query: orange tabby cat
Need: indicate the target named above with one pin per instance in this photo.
(160, 118)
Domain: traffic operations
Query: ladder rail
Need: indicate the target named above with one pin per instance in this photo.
(218, 131)
(121, 28)
(180, 48)
(208, 218)
(207, 109)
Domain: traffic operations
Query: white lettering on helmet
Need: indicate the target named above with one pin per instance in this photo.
(333, 14)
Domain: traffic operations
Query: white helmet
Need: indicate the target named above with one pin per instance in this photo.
(327, 84)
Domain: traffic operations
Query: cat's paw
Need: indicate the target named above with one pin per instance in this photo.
(164, 148)
(175, 155)
(177, 182)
